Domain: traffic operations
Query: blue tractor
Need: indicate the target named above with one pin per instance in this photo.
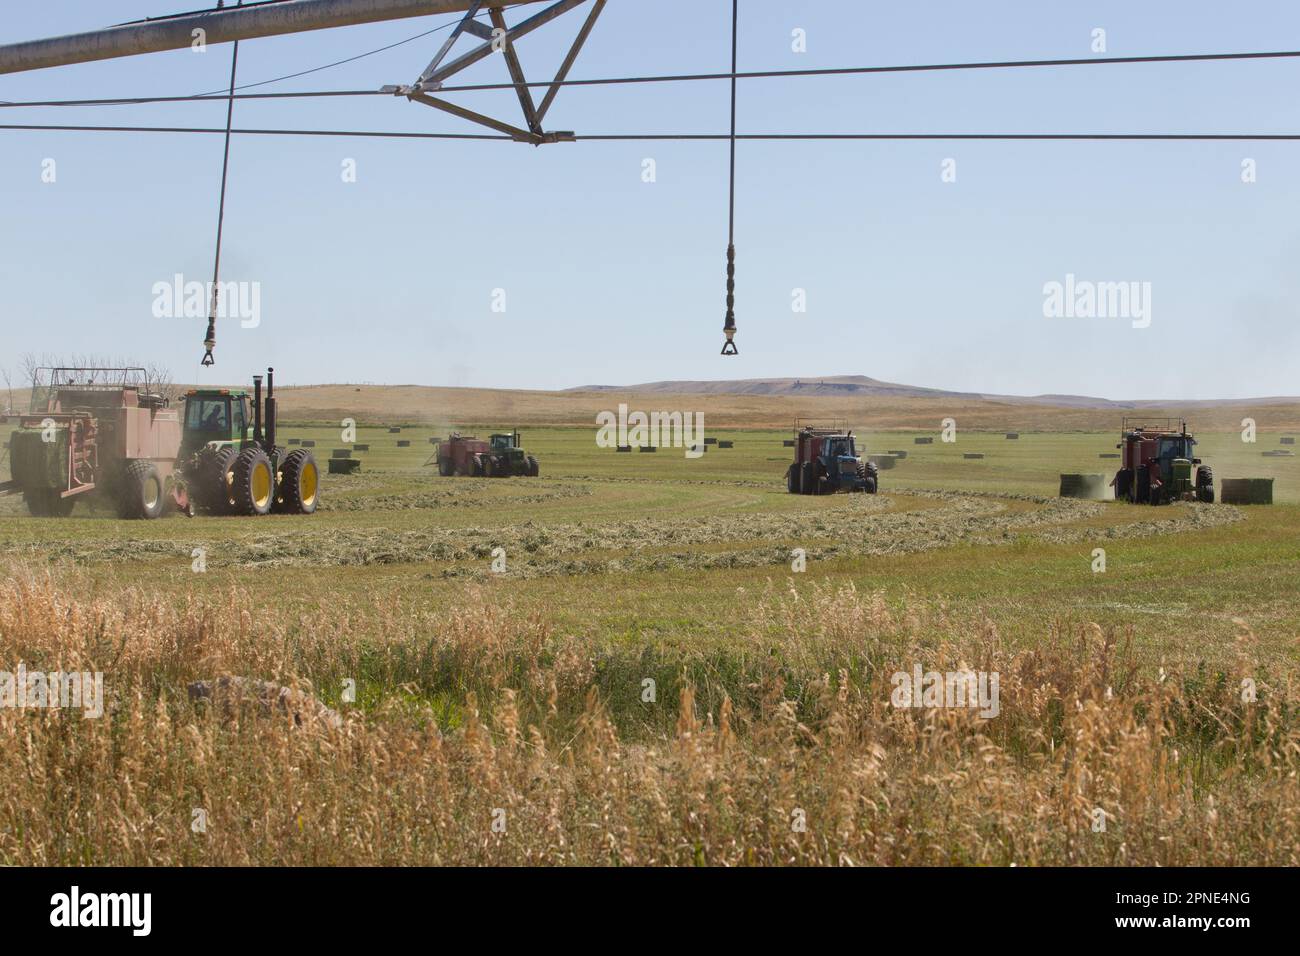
(826, 460)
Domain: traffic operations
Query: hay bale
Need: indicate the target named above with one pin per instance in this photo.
(726, 444)
(395, 431)
(1287, 441)
(973, 455)
(1246, 491)
(788, 443)
(341, 453)
(1109, 454)
(435, 440)
(710, 441)
(295, 441)
(1089, 487)
(922, 441)
(344, 466)
(883, 462)
(897, 453)
(404, 444)
(360, 447)
(308, 443)
(1278, 453)
(625, 449)
(648, 448)
(1013, 436)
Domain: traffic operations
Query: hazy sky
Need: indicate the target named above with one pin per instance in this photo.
(610, 279)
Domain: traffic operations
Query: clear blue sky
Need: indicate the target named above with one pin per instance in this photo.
(612, 280)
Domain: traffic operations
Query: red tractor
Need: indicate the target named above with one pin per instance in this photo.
(500, 457)
(826, 460)
(1157, 464)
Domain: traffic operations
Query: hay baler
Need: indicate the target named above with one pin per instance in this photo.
(1157, 464)
(499, 457)
(826, 460)
(94, 433)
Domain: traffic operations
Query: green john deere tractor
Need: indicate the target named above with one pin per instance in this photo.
(506, 457)
(232, 466)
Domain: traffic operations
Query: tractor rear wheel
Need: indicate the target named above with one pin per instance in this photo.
(1141, 488)
(476, 467)
(141, 494)
(445, 467)
(792, 479)
(253, 487)
(533, 468)
(209, 486)
(489, 467)
(299, 489)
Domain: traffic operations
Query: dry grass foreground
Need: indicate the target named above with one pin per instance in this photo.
(473, 715)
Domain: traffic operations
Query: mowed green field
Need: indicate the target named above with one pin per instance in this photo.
(658, 549)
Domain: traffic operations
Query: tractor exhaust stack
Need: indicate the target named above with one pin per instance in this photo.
(270, 409)
(257, 409)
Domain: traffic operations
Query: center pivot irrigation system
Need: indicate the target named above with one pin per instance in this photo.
(276, 17)
(264, 18)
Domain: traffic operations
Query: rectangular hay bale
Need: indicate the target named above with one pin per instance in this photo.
(1246, 491)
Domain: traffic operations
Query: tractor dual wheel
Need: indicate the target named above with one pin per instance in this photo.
(870, 476)
(141, 495)
(792, 479)
(808, 478)
(299, 488)
(533, 468)
(210, 486)
(252, 484)
(1205, 485)
(446, 468)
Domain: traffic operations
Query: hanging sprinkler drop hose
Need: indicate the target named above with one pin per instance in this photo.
(729, 326)
(210, 339)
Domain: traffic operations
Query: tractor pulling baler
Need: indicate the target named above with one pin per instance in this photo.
(106, 434)
(826, 460)
(1157, 462)
(500, 457)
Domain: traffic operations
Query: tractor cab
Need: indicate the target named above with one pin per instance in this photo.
(214, 415)
(507, 448)
(840, 455)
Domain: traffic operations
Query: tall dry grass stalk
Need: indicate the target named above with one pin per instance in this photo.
(473, 716)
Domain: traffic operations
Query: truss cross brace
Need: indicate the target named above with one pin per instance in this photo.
(500, 38)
